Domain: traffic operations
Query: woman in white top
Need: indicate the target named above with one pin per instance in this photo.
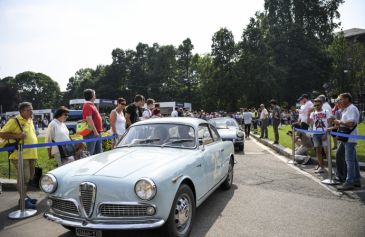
(58, 132)
(117, 119)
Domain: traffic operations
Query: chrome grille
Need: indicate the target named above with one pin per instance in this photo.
(87, 197)
(66, 206)
(122, 210)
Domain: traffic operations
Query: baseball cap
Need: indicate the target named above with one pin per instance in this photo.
(302, 97)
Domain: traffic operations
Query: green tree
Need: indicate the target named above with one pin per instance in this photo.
(39, 89)
(9, 97)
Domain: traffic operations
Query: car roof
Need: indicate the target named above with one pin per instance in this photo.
(194, 122)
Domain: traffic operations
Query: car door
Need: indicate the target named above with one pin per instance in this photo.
(211, 155)
(223, 159)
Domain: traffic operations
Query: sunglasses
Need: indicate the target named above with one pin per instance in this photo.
(123, 103)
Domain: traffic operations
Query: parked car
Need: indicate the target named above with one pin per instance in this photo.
(73, 117)
(161, 170)
(229, 130)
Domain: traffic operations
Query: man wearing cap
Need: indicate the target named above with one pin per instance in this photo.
(304, 111)
(276, 114)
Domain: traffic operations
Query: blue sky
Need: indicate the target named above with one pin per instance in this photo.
(59, 37)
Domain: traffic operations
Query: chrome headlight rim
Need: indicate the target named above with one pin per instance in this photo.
(240, 134)
(54, 180)
(150, 182)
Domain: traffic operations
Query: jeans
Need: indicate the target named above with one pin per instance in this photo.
(93, 147)
(275, 125)
(247, 129)
(341, 167)
(353, 171)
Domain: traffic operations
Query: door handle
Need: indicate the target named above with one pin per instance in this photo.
(200, 165)
(221, 150)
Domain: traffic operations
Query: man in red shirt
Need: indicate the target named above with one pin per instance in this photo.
(91, 114)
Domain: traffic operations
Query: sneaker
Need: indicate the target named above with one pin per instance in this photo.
(320, 171)
(317, 167)
(357, 184)
(345, 187)
(275, 143)
(32, 200)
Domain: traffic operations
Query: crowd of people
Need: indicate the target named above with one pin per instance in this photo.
(315, 115)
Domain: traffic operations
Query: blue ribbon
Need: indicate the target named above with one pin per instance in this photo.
(58, 143)
(332, 133)
(348, 135)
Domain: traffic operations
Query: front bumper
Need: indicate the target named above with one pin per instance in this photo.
(105, 224)
(236, 141)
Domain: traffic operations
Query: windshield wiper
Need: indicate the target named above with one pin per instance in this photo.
(177, 141)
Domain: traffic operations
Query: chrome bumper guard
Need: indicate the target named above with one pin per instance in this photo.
(116, 224)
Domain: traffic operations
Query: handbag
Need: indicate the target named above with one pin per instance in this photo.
(83, 128)
(345, 130)
(67, 150)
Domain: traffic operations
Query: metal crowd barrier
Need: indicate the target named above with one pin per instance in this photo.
(24, 213)
(330, 179)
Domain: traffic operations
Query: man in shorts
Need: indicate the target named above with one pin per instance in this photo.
(319, 120)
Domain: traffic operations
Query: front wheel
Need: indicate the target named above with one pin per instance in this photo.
(227, 184)
(180, 221)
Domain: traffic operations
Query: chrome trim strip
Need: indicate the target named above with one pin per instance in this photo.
(106, 225)
(98, 215)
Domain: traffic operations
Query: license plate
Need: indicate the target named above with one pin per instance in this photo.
(88, 233)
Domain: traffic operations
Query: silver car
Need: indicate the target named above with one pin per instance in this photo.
(229, 130)
(161, 170)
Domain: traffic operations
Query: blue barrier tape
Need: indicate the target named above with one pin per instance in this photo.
(58, 143)
(8, 148)
(332, 133)
(348, 135)
(309, 131)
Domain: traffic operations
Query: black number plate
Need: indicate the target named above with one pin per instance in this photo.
(88, 233)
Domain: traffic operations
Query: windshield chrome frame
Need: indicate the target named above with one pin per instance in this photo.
(151, 145)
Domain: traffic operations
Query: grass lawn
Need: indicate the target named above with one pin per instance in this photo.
(285, 140)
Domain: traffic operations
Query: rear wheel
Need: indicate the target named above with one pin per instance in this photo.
(227, 184)
(180, 221)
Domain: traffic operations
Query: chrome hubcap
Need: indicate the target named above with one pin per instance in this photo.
(183, 213)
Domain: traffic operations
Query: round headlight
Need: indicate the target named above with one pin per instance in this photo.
(240, 133)
(48, 183)
(145, 189)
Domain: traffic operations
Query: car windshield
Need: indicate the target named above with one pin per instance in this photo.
(224, 123)
(163, 135)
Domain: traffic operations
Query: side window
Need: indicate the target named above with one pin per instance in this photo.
(204, 135)
(215, 133)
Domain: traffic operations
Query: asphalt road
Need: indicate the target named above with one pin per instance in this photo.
(269, 198)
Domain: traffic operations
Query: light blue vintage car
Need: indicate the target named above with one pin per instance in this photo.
(160, 172)
(230, 130)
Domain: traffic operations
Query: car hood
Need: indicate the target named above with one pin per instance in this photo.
(122, 162)
(230, 132)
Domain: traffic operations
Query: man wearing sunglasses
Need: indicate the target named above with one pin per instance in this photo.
(319, 120)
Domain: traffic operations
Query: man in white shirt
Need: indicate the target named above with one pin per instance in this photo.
(175, 113)
(350, 117)
(264, 118)
(325, 104)
(319, 120)
(147, 113)
(304, 111)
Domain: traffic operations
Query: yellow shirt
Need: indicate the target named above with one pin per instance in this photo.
(31, 137)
